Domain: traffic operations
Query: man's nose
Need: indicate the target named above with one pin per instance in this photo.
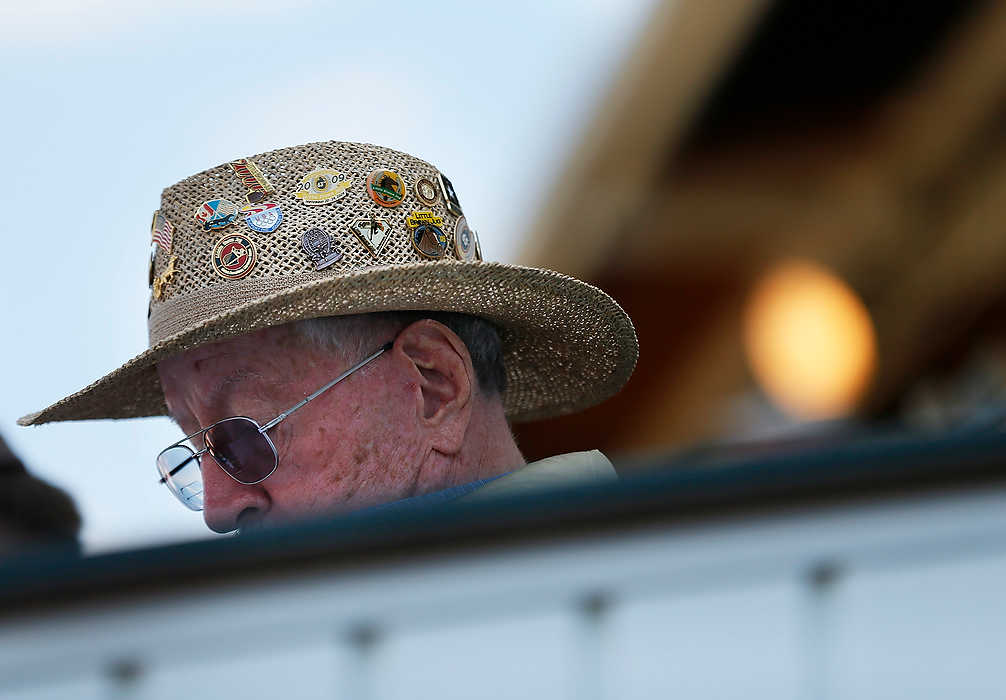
(227, 504)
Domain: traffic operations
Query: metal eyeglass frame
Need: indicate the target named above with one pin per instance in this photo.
(262, 429)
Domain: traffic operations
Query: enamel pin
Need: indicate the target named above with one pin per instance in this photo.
(216, 214)
(428, 237)
(234, 256)
(373, 233)
(161, 281)
(426, 191)
(161, 231)
(264, 218)
(150, 267)
(322, 186)
(321, 247)
(466, 242)
(450, 196)
(253, 178)
(386, 187)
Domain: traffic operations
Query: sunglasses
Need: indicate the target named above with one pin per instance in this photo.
(239, 445)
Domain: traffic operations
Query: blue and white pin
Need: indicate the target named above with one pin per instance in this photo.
(264, 217)
(466, 242)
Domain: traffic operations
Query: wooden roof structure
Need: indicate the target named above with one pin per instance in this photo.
(866, 136)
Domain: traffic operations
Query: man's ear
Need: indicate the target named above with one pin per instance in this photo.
(446, 381)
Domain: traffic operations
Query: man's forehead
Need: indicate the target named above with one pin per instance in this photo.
(214, 373)
(246, 347)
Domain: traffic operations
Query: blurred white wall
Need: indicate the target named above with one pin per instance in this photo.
(884, 599)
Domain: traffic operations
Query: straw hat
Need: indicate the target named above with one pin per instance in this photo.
(334, 228)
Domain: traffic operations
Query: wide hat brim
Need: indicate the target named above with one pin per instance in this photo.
(567, 345)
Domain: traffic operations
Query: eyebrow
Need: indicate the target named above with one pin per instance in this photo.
(215, 395)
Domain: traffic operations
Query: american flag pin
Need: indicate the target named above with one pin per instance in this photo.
(161, 231)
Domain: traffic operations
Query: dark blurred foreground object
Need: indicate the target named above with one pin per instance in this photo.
(834, 571)
(33, 513)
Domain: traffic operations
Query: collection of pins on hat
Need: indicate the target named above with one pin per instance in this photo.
(234, 253)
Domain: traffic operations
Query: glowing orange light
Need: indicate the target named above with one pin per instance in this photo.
(809, 340)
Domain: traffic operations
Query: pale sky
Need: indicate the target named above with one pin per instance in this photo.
(106, 103)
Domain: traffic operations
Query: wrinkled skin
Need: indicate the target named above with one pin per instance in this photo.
(408, 423)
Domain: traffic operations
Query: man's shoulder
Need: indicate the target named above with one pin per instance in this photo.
(569, 469)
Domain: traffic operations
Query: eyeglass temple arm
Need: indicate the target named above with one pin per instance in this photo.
(283, 416)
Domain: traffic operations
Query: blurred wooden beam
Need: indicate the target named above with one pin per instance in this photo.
(929, 126)
(681, 324)
(945, 288)
(907, 202)
(685, 47)
(689, 402)
(757, 210)
(831, 194)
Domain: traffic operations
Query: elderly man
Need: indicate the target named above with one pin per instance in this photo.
(324, 330)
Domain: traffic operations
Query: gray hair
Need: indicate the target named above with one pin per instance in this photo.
(356, 335)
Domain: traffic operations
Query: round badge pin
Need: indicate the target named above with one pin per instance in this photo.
(465, 241)
(264, 218)
(234, 256)
(386, 187)
(426, 191)
(428, 237)
(429, 241)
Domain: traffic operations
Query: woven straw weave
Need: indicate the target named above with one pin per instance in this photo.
(567, 345)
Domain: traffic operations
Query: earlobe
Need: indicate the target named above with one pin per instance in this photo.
(445, 380)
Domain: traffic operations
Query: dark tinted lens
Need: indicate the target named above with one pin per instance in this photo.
(241, 450)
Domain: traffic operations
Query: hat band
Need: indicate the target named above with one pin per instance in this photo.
(184, 312)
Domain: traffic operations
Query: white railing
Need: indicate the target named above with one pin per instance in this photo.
(894, 598)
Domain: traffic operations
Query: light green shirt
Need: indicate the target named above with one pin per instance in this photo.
(572, 469)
